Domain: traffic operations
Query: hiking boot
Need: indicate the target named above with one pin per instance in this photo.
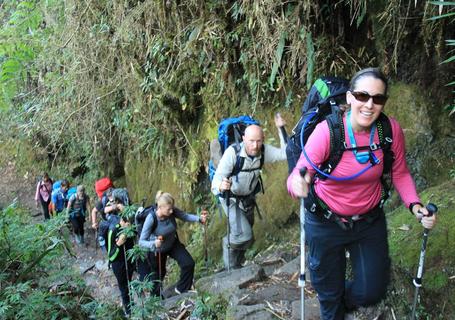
(177, 291)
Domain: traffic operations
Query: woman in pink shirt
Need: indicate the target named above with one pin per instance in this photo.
(347, 215)
(43, 194)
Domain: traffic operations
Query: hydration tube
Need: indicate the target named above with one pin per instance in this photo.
(322, 173)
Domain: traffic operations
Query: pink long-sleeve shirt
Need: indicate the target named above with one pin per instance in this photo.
(44, 189)
(363, 193)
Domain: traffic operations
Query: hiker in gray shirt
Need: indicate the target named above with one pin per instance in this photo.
(237, 181)
(159, 235)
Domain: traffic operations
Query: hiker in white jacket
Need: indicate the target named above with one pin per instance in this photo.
(237, 181)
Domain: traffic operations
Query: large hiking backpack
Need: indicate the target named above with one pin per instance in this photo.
(101, 185)
(103, 228)
(230, 132)
(71, 191)
(121, 195)
(56, 185)
(323, 103)
(141, 215)
(77, 206)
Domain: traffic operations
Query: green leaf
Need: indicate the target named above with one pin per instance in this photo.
(289, 100)
(443, 3)
(194, 34)
(310, 59)
(278, 56)
(8, 69)
(452, 58)
(442, 16)
(360, 18)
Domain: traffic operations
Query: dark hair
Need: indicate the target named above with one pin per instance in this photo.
(369, 72)
(65, 183)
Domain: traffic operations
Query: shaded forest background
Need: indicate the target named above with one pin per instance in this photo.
(135, 89)
(95, 83)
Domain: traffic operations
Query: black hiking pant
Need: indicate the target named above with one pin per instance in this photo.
(367, 244)
(45, 206)
(123, 278)
(185, 262)
(144, 266)
(78, 225)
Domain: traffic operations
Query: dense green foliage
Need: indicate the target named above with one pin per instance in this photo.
(35, 283)
(94, 82)
(405, 236)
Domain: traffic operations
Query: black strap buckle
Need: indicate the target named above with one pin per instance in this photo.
(374, 146)
(328, 214)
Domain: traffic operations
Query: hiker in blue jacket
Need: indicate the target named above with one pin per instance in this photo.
(159, 235)
(58, 198)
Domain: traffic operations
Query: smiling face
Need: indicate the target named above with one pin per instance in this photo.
(365, 113)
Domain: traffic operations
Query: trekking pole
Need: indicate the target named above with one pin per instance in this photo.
(159, 268)
(127, 275)
(417, 281)
(302, 252)
(96, 240)
(226, 194)
(206, 253)
(283, 130)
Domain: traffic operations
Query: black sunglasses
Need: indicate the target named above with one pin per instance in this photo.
(365, 96)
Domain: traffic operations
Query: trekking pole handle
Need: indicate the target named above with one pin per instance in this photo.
(283, 129)
(227, 195)
(432, 209)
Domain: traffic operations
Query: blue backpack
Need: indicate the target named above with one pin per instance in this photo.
(56, 185)
(71, 191)
(230, 132)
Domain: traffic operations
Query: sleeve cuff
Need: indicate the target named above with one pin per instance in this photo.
(412, 204)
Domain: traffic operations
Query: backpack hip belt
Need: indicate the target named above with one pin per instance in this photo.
(248, 202)
(316, 206)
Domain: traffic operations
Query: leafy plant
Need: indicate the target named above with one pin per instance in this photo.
(21, 34)
(29, 272)
(209, 308)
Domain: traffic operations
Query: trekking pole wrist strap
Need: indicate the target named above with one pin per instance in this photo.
(411, 206)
